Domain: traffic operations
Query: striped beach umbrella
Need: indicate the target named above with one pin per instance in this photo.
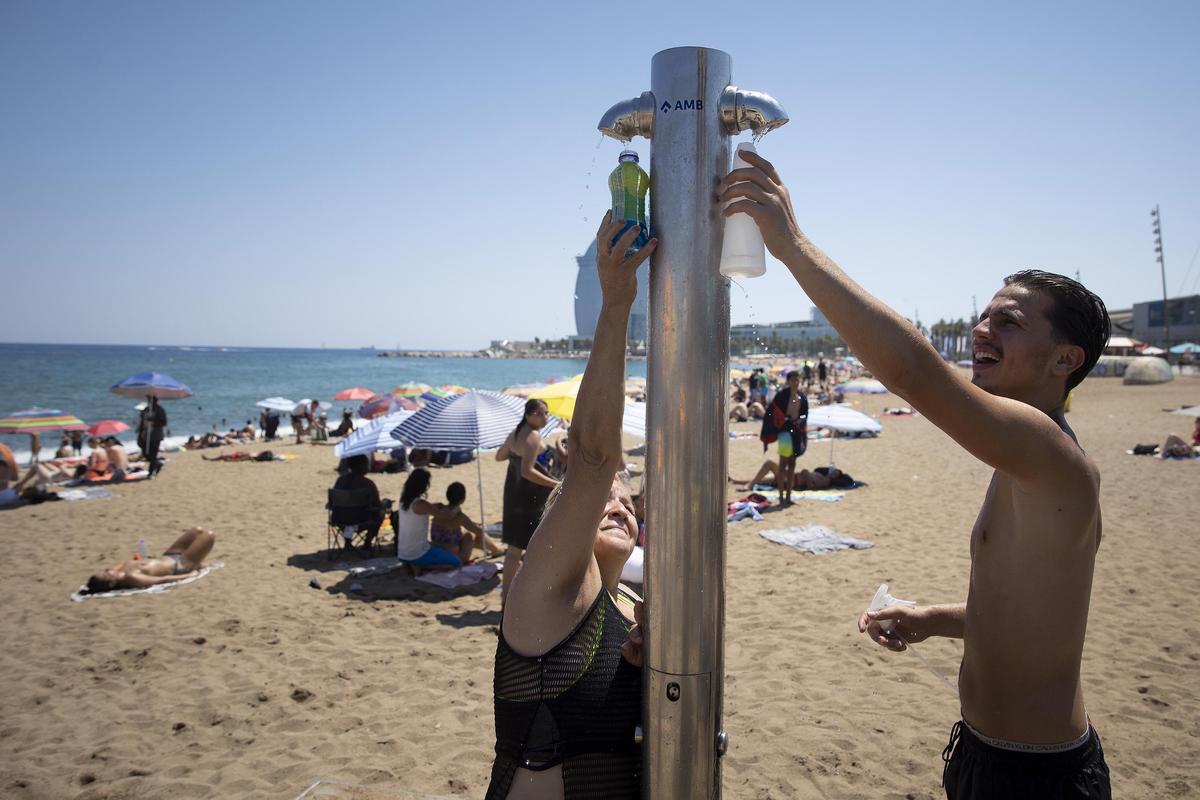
(474, 420)
(375, 435)
(411, 389)
(40, 420)
(155, 384)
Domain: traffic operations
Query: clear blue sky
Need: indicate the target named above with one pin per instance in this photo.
(272, 173)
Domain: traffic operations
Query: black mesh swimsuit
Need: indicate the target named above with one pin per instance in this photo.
(577, 706)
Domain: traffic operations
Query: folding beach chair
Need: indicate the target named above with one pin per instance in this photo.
(352, 514)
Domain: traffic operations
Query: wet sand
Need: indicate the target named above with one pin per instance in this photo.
(252, 683)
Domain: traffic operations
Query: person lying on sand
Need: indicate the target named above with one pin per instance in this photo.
(1025, 730)
(768, 475)
(181, 560)
(239, 455)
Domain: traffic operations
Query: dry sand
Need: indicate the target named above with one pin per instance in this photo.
(250, 683)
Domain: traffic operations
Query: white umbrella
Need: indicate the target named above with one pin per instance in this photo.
(277, 404)
(842, 418)
(375, 435)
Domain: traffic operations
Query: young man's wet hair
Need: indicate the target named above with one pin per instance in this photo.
(1077, 315)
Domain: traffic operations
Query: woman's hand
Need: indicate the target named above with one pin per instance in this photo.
(618, 275)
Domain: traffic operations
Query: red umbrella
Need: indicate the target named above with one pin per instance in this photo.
(378, 405)
(355, 393)
(107, 428)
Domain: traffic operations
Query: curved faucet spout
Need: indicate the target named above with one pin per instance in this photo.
(629, 118)
(742, 109)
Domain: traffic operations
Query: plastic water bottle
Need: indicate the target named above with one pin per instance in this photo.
(883, 599)
(743, 254)
(143, 550)
(629, 185)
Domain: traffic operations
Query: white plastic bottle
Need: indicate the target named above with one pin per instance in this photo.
(743, 254)
(143, 550)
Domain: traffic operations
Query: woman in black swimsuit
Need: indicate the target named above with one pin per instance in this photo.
(568, 677)
(526, 488)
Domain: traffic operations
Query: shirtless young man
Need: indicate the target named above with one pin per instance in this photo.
(181, 560)
(1034, 543)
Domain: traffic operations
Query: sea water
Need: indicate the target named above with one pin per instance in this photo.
(227, 382)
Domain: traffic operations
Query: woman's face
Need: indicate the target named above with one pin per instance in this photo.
(618, 530)
(538, 418)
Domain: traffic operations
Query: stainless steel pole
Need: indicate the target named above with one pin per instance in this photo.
(686, 426)
(689, 115)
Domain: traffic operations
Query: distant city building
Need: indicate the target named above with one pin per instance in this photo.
(792, 336)
(588, 299)
(1183, 314)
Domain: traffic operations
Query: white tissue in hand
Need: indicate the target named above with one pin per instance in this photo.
(883, 600)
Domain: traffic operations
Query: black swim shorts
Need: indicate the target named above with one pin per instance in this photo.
(977, 770)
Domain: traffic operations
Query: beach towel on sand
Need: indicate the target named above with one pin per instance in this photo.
(463, 576)
(814, 539)
(82, 594)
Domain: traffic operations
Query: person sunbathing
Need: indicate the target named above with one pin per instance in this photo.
(240, 455)
(183, 559)
(768, 475)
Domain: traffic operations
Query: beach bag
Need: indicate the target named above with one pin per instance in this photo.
(1144, 449)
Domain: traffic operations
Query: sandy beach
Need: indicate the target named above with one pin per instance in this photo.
(250, 683)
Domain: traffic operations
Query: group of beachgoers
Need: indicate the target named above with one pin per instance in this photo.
(568, 694)
(568, 679)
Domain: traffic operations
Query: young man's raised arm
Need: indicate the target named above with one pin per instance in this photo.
(1009, 435)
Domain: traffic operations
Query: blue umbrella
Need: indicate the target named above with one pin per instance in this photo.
(155, 384)
(474, 420)
(375, 435)
(1185, 347)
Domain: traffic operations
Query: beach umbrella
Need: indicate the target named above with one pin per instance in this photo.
(379, 405)
(474, 420)
(375, 435)
(277, 404)
(107, 428)
(1151, 350)
(633, 421)
(523, 389)
(40, 420)
(864, 386)
(843, 419)
(411, 389)
(321, 405)
(409, 404)
(1180, 349)
(560, 397)
(155, 384)
(356, 393)
(453, 388)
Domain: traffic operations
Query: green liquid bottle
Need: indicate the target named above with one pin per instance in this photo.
(629, 185)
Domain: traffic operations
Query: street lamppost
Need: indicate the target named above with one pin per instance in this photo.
(1158, 250)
